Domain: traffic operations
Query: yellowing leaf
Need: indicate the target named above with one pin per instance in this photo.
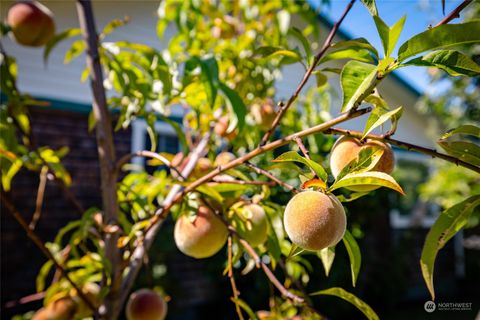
(372, 178)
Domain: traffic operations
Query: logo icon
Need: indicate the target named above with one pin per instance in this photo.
(429, 306)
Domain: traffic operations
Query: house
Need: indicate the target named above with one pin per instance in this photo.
(64, 122)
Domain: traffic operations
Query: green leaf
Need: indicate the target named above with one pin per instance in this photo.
(351, 197)
(288, 56)
(467, 129)
(443, 36)
(9, 172)
(356, 78)
(245, 307)
(354, 255)
(463, 150)
(371, 6)
(297, 34)
(379, 116)
(371, 178)
(112, 25)
(445, 227)
(75, 50)
(210, 192)
(294, 251)
(56, 39)
(235, 104)
(349, 53)
(208, 76)
(367, 158)
(389, 36)
(360, 43)
(327, 256)
(451, 61)
(321, 78)
(42, 275)
(53, 159)
(290, 156)
(347, 296)
(179, 132)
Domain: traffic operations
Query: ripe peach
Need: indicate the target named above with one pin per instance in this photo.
(61, 309)
(222, 126)
(223, 158)
(31, 22)
(146, 304)
(254, 229)
(346, 149)
(264, 315)
(42, 314)
(264, 113)
(314, 220)
(202, 236)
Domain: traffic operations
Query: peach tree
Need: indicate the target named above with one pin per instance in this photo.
(219, 68)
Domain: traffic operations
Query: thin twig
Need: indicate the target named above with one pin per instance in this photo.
(27, 299)
(39, 243)
(235, 291)
(325, 47)
(305, 152)
(271, 177)
(405, 145)
(148, 154)
(243, 182)
(455, 13)
(40, 196)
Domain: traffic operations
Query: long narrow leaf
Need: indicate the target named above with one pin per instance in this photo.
(445, 227)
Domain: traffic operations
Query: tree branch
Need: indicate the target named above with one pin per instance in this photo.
(326, 45)
(39, 243)
(405, 145)
(271, 177)
(106, 152)
(455, 13)
(242, 182)
(148, 154)
(137, 255)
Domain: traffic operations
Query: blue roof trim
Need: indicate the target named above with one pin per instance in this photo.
(69, 106)
(346, 35)
(57, 104)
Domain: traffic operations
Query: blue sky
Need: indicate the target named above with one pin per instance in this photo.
(420, 13)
